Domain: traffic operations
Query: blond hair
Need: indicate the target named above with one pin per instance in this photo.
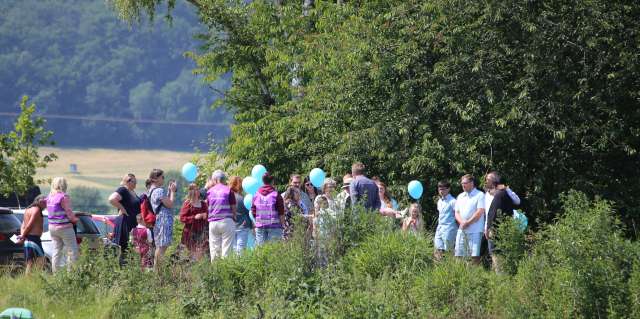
(58, 185)
(193, 193)
(328, 182)
(126, 179)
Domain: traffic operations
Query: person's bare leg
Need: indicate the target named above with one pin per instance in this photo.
(160, 250)
(437, 254)
(475, 260)
(27, 268)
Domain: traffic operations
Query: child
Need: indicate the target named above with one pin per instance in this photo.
(413, 222)
(143, 242)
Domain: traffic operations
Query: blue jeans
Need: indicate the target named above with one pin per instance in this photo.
(240, 243)
(264, 235)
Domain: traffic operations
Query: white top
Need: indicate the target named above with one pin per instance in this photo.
(467, 204)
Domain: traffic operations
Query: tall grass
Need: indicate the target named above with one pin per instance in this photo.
(580, 266)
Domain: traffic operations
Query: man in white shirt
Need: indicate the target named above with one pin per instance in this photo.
(470, 216)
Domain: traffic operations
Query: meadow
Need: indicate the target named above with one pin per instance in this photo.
(103, 169)
(580, 266)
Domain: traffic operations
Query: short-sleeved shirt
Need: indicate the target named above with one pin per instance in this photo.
(131, 205)
(156, 200)
(467, 204)
(446, 212)
(364, 191)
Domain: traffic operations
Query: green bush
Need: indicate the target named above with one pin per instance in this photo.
(578, 267)
(88, 199)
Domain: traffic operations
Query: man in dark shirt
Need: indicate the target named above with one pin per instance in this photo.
(363, 191)
(501, 207)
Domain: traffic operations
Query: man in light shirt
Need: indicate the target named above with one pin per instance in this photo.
(469, 210)
(447, 229)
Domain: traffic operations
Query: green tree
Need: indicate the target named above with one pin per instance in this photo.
(545, 92)
(19, 157)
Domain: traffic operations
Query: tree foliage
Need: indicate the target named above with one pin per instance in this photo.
(19, 157)
(545, 92)
(77, 59)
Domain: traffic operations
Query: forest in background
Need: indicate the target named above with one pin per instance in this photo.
(77, 59)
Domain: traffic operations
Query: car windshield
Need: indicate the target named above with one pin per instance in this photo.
(85, 225)
(9, 223)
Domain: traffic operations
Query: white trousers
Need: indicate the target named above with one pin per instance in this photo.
(221, 235)
(63, 239)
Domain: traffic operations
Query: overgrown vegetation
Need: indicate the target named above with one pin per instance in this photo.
(578, 267)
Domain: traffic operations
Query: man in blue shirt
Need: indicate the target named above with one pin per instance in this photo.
(445, 237)
(363, 191)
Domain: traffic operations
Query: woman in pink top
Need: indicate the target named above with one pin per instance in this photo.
(61, 221)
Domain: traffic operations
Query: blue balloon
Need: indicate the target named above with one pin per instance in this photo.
(257, 172)
(521, 219)
(415, 189)
(250, 185)
(189, 172)
(248, 200)
(317, 177)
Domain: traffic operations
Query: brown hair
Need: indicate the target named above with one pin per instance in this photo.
(468, 177)
(155, 174)
(357, 168)
(235, 183)
(386, 197)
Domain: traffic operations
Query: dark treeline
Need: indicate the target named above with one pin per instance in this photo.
(75, 58)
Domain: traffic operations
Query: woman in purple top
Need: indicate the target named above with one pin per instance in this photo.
(268, 210)
(222, 216)
(61, 221)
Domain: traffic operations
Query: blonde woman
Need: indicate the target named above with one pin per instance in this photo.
(61, 221)
(413, 223)
(127, 202)
(325, 208)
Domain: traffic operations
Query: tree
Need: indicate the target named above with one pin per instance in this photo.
(545, 92)
(19, 157)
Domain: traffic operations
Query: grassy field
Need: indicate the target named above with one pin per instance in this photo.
(104, 168)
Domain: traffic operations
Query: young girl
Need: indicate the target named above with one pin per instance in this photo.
(292, 207)
(143, 243)
(193, 214)
(413, 223)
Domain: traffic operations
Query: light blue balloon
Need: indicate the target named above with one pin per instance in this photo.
(521, 219)
(250, 185)
(189, 172)
(415, 189)
(248, 200)
(257, 172)
(317, 176)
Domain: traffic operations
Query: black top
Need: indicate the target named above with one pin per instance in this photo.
(131, 204)
(501, 206)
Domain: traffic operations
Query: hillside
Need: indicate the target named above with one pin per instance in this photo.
(75, 59)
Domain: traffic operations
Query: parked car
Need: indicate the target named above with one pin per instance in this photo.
(86, 231)
(10, 253)
(106, 224)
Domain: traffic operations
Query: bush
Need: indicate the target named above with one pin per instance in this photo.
(88, 199)
(581, 266)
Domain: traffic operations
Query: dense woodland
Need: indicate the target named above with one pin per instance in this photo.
(545, 92)
(76, 58)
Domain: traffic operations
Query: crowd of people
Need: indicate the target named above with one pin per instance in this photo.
(216, 218)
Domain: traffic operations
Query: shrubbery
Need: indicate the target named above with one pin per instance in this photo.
(580, 266)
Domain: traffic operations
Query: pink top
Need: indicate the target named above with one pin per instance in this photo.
(66, 205)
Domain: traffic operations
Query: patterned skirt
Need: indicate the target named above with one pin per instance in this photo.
(163, 230)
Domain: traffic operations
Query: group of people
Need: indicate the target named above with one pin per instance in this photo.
(216, 219)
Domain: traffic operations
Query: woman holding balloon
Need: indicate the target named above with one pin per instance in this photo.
(243, 221)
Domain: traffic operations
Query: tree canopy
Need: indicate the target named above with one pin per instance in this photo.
(546, 92)
(76, 59)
